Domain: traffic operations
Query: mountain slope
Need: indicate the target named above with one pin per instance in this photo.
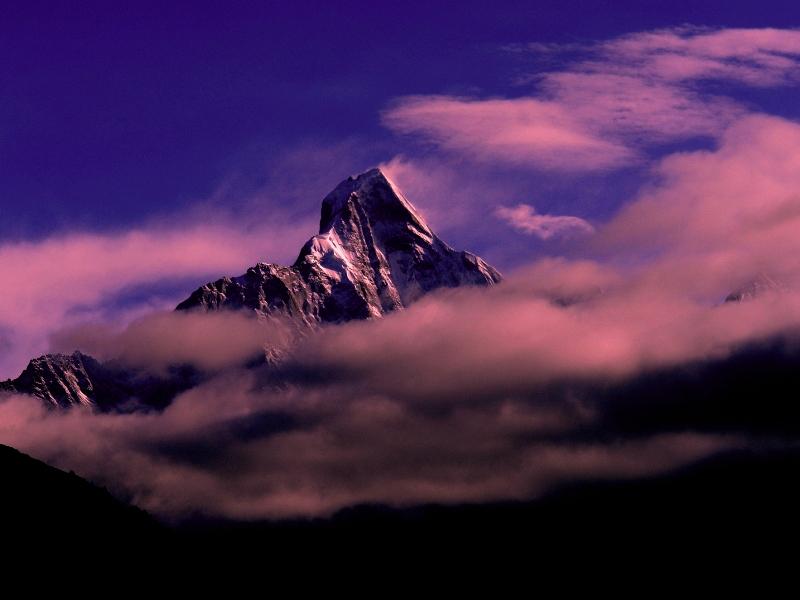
(374, 254)
(39, 499)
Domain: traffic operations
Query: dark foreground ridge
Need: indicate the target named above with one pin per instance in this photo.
(42, 501)
(741, 502)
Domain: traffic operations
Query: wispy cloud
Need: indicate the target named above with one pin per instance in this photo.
(759, 57)
(524, 218)
(611, 102)
(521, 131)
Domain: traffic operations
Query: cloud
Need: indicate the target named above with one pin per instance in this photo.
(70, 278)
(505, 401)
(507, 398)
(611, 103)
(510, 342)
(207, 341)
(224, 449)
(758, 57)
(523, 131)
(502, 404)
(524, 218)
(735, 209)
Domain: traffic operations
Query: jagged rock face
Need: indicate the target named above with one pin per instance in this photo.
(66, 380)
(374, 254)
(270, 290)
(60, 380)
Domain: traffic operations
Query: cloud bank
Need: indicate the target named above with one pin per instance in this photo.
(469, 395)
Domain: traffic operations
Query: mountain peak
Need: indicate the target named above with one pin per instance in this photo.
(373, 254)
(375, 195)
(60, 379)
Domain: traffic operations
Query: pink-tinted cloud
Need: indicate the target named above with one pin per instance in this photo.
(327, 449)
(524, 218)
(505, 343)
(473, 424)
(735, 209)
(759, 57)
(638, 111)
(154, 342)
(67, 279)
(605, 110)
(526, 131)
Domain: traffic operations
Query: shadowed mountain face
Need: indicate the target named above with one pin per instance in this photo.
(374, 254)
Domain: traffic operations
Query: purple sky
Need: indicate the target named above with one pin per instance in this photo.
(111, 115)
(146, 150)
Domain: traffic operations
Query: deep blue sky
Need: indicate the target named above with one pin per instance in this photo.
(113, 113)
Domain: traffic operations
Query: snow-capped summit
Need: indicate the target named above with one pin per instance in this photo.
(373, 254)
(376, 193)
